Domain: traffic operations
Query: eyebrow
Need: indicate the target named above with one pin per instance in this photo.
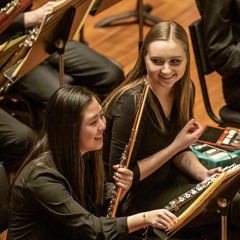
(170, 57)
(96, 115)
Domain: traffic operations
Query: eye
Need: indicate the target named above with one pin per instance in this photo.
(93, 123)
(102, 115)
(157, 61)
(175, 61)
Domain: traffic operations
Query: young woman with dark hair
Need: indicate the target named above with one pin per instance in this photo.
(60, 190)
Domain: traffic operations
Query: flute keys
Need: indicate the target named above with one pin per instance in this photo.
(181, 199)
(199, 187)
(173, 202)
(173, 205)
(187, 195)
(193, 192)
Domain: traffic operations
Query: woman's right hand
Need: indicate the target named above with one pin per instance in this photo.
(36, 17)
(161, 218)
(123, 178)
(188, 135)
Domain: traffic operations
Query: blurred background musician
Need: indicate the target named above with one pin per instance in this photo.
(83, 66)
(221, 34)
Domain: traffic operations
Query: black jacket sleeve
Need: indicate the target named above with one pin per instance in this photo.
(221, 33)
(52, 194)
(16, 27)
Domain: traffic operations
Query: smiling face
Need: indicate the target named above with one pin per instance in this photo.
(93, 125)
(165, 63)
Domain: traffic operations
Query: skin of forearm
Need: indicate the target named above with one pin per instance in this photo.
(188, 163)
(137, 221)
(150, 164)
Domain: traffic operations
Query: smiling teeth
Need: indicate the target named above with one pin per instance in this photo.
(166, 77)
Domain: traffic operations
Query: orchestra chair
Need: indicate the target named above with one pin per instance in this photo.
(227, 117)
(4, 188)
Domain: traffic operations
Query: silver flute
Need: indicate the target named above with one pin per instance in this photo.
(175, 204)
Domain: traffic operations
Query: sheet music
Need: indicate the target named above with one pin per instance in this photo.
(226, 184)
(101, 5)
(205, 198)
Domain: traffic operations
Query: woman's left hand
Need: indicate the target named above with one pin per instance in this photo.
(212, 171)
(123, 179)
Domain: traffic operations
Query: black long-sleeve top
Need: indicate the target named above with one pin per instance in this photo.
(16, 29)
(120, 117)
(43, 208)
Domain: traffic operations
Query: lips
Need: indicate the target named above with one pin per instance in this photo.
(166, 77)
(98, 138)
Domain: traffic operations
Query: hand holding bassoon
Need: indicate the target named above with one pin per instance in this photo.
(37, 16)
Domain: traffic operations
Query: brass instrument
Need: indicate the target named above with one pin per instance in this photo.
(126, 155)
(175, 204)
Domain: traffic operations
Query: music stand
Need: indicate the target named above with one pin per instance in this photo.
(223, 203)
(98, 7)
(218, 195)
(8, 48)
(142, 17)
(101, 5)
(148, 19)
(55, 31)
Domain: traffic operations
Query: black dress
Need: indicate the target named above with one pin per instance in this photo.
(167, 182)
(149, 140)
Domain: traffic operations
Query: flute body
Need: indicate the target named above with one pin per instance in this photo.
(175, 204)
(126, 155)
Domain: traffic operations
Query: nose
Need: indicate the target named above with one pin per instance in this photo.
(102, 124)
(165, 68)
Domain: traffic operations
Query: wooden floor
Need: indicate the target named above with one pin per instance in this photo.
(121, 42)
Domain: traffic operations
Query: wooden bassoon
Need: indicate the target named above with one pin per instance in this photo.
(23, 48)
(10, 11)
(126, 155)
